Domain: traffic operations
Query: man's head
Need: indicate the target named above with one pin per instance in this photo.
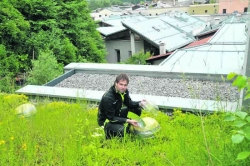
(121, 83)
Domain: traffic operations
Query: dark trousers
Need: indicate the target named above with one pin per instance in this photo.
(114, 129)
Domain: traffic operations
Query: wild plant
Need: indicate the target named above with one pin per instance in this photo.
(241, 119)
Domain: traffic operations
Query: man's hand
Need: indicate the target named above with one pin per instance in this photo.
(143, 103)
(132, 122)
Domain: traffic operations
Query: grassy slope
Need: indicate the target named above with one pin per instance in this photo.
(62, 134)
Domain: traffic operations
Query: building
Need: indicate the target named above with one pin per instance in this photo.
(233, 6)
(127, 35)
(204, 9)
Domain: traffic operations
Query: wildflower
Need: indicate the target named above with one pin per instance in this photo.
(95, 134)
(12, 138)
(2, 142)
(24, 146)
(22, 117)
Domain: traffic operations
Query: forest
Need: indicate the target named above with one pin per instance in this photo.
(60, 30)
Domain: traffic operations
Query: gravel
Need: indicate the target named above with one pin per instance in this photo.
(185, 88)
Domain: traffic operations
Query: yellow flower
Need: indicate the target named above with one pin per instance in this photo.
(24, 146)
(2, 142)
(12, 138)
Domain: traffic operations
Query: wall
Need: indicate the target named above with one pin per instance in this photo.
(201, 9)
(233, 5)
(124, 46)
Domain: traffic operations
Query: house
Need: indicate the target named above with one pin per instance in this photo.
(212, 8)
(118, 38)
(233, 6)
(127, 35)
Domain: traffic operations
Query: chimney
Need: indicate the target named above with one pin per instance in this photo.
(162, 48)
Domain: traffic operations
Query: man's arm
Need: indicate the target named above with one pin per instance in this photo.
(109, 110)
(130, 103)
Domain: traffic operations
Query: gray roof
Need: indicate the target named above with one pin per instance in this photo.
(106, 31)
(189, 24)
(208, 59)
(224, 53)
(230, 33)
(157, 31)
(184, 21)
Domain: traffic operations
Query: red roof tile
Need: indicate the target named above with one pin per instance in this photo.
(199, 42)
(159, 56)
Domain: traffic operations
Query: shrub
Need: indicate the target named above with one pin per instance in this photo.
(45, 68)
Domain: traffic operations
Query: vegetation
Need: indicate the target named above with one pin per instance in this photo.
(138, 58)
(240, 119)
(66, 133)
(30, 27)
(45, 68)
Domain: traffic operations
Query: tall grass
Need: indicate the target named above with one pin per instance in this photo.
(62, 133)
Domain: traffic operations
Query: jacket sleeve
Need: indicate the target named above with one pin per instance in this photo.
(109, 110)
(130, 103)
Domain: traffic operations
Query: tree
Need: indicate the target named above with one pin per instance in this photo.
(13, 28)
(76, 23)
(139, 58)
(45, 68)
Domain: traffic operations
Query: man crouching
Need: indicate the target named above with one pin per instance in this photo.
(112, 108)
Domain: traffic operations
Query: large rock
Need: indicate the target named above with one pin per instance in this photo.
(26, 110)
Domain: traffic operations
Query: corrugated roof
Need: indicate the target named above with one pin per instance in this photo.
(106, 31)
(157, 31)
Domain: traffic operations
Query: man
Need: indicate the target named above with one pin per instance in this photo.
(111, 108)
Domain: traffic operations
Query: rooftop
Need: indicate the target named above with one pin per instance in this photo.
(156, 31)
(223, 53)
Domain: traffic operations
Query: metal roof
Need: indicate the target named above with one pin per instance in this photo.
(230, 33)
(106, 31)
(200, 60)
(187, 23)
(223, 53)
(157, 31)
(184, 21)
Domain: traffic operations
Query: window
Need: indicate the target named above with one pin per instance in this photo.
(245, 9)
(105, 14)
(150, 14)
(129, 54)
(118, 55)
(224, 11)
(100, 15)
(156, 14)
(193, 10)
(205, 11)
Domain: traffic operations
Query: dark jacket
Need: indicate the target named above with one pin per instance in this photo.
(111, 104)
